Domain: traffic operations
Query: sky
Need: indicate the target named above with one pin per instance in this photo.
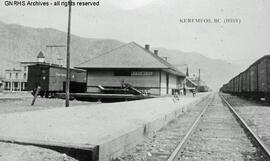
(157, 22)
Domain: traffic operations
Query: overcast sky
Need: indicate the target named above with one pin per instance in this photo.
(157, 22)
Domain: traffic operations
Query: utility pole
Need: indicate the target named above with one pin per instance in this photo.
(199, 79)
(68, 54)
(199, 74)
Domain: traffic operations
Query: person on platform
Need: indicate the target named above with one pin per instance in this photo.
(194, 92)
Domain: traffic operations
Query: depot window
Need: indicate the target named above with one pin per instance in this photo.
(122, 73)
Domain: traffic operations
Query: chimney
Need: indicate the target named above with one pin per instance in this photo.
(187, 73)
(147, 47)
(156, 52)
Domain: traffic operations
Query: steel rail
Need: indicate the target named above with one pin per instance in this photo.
(249, 130)
(188, 134)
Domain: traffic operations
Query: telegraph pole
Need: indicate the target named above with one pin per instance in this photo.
(68, 54)
(199, 74)
(199, 82)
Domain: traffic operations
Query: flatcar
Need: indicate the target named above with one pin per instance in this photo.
(51, 78)
(254, 82)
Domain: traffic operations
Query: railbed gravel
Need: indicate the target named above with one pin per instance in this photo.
(256, 115)
(219, 137)
(160, 145)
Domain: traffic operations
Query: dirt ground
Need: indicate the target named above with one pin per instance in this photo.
(21, 102)
(13, 152)
(78, 118)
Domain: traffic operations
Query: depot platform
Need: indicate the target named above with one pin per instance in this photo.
(105, 130)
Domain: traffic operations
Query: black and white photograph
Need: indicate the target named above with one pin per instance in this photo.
(134, 80)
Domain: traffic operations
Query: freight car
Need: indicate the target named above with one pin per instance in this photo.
(52, 79)
(254, 82)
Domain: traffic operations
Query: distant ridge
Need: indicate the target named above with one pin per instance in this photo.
(214, 72)
(19, 43)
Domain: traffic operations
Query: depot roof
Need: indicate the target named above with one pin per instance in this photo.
(129, 56)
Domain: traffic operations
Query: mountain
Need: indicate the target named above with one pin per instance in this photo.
(213, 71)
(19, 43)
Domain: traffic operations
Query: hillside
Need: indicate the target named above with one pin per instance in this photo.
(19, 43)
(213, 71)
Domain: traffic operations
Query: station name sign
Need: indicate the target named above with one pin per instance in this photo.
(141, 73)
(60, 74)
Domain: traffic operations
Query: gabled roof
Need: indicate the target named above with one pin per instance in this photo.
(191, 81)
(129, 56)
(40, 55)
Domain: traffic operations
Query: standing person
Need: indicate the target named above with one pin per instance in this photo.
(194, 92)
(181, 92)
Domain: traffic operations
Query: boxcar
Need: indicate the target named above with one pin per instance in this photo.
(230, 86)
(254, 81)
(240, 83)
(52, 79)
(253, 74)
(237, 84)
(264, 77)
(233, 85)
(247, 81)
(244, 80)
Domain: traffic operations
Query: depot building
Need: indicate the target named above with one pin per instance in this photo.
(133, 64)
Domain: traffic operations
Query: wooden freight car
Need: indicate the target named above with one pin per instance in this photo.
(254, 82)
(264, 77)
(245, 83)
(253, 75)
(52, 79)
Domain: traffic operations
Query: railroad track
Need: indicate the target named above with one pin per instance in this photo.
(159, 146)
(219, 134)
(260, 132)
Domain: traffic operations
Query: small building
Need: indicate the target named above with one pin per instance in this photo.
(196, 83)
(202, 87)
(15, 79)
(190, 84)
(135, 65)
